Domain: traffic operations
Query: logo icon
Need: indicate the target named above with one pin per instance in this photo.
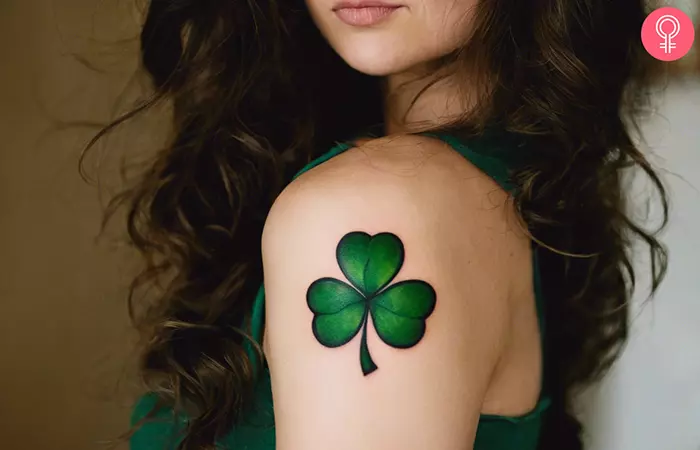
(667, 44)
(668, 34)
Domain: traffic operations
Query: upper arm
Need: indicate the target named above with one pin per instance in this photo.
(435, 340)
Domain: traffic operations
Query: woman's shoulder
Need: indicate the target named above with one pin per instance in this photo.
(406, 182)
(413, 185)
(405, 170)
(396, 244)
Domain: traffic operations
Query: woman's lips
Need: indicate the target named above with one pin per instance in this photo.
(364, 15)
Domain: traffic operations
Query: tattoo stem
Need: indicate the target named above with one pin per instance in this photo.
(368, 366)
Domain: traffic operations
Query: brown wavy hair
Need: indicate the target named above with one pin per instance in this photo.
(255, 93)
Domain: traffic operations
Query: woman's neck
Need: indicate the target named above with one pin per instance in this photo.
(414, 102)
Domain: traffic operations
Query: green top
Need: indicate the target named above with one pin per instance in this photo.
(496, 157)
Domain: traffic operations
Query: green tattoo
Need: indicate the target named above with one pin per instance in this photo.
(398, 312)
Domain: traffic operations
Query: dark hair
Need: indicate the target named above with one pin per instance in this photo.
(256, 93)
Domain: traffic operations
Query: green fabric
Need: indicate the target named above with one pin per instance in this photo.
(495, 155)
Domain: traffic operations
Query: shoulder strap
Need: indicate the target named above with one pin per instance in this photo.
(494, 156)
(339, 148)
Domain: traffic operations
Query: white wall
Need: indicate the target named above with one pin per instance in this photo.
(651, 400)
(689, 7)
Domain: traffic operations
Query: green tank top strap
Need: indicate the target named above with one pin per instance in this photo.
(485, 154)
(339, 148)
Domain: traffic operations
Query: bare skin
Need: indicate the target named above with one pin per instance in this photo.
(480, 353)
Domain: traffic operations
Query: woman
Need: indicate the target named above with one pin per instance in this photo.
(451, 260)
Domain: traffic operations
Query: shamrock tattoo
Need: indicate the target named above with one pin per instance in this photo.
(398, 312)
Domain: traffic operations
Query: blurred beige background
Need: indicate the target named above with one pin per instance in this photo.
(64, 332)
(66, 380)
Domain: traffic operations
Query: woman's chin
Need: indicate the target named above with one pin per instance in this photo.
(377, 70)
(375, 64)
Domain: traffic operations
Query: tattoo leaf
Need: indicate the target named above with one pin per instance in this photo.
(398, 312)
(339, 311)
(370, 263)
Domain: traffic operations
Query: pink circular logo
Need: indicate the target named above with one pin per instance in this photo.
(667, 34)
